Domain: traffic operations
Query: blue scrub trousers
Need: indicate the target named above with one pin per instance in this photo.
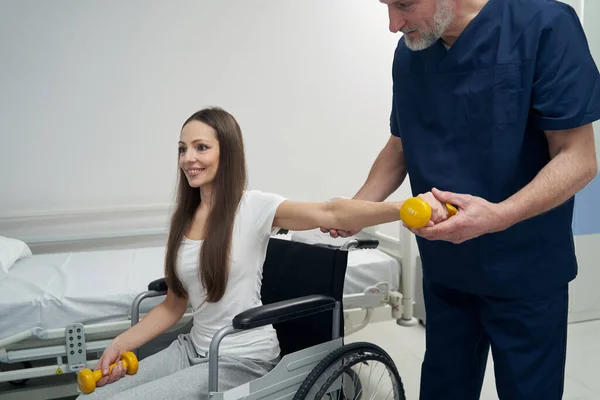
(527, 337)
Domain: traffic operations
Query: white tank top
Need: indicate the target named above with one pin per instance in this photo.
(251, 233)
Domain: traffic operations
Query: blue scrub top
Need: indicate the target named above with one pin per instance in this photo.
(472, 120)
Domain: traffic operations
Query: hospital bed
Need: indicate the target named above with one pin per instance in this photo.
(47, 298)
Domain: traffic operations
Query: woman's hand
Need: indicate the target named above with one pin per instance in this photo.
(112, 354)
(439, 211)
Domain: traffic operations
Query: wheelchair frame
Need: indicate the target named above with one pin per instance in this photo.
(300, 363)
(290, 372)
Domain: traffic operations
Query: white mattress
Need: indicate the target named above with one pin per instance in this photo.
(54, 290)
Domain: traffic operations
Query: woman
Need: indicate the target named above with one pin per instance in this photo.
(233, 226)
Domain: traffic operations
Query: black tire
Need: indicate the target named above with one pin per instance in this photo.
(351, 354)
(20, 382)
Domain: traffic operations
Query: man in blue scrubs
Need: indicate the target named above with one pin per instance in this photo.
(493, 102)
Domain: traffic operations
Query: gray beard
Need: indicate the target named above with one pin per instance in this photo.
(441, 20)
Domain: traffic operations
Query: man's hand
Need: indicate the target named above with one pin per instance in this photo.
(475, 217)
(335, 233)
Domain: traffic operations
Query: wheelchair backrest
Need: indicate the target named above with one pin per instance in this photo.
(295, 269)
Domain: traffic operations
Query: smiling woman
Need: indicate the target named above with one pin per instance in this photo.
(212, 183)
(215, 253)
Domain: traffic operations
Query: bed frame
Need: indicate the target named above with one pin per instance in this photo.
(45, 369)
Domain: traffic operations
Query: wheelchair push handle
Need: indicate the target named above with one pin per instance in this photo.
(367, 244)
(416, 213)
(360, 244)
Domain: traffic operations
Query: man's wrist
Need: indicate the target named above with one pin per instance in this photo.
(508, 215)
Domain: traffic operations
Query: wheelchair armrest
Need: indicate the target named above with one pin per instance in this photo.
(283, 311)
(159, 285)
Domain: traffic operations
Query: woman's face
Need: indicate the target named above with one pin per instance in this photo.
(198, 153)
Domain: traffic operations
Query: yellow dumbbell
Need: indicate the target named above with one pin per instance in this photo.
(87, 379)
(416, 213)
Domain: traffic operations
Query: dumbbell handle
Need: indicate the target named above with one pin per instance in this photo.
(98, 373)
(451, 210)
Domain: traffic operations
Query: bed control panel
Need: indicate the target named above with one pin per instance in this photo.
(75, 342)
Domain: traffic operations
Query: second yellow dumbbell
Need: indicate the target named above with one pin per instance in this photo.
(416, 213)
(87, 379)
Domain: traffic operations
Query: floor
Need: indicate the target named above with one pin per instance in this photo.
(407, 346)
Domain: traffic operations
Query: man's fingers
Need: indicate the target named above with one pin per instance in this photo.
(444, 230)
(450, 230)
(446, 227)
(351, 232)
(339, 233)
(457, 199)
(408, 227)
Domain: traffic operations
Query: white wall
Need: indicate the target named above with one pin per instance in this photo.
(94, 94)
(585, 297)
(591, 16)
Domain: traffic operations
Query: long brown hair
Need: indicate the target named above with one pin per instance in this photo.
(228, 187)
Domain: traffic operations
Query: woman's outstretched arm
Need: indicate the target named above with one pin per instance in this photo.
(340, 214)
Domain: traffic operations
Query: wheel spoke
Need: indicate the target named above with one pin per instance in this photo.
(338, 372)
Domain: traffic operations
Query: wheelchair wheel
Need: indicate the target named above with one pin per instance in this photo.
(351, 385)
(20, 382)
(350, 372)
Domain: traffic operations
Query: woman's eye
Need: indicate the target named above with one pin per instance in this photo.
(202, 147)
(181, 150)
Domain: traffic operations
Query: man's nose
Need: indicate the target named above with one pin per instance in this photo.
(397, 20)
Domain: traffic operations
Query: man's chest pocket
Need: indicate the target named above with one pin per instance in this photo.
(490, 97)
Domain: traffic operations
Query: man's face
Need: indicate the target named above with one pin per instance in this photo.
(421, 21)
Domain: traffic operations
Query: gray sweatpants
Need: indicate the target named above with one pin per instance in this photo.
(178, 372)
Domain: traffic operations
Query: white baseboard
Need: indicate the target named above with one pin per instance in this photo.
(583, 316)
(379, 314)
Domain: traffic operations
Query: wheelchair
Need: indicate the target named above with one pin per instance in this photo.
(302, 296)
